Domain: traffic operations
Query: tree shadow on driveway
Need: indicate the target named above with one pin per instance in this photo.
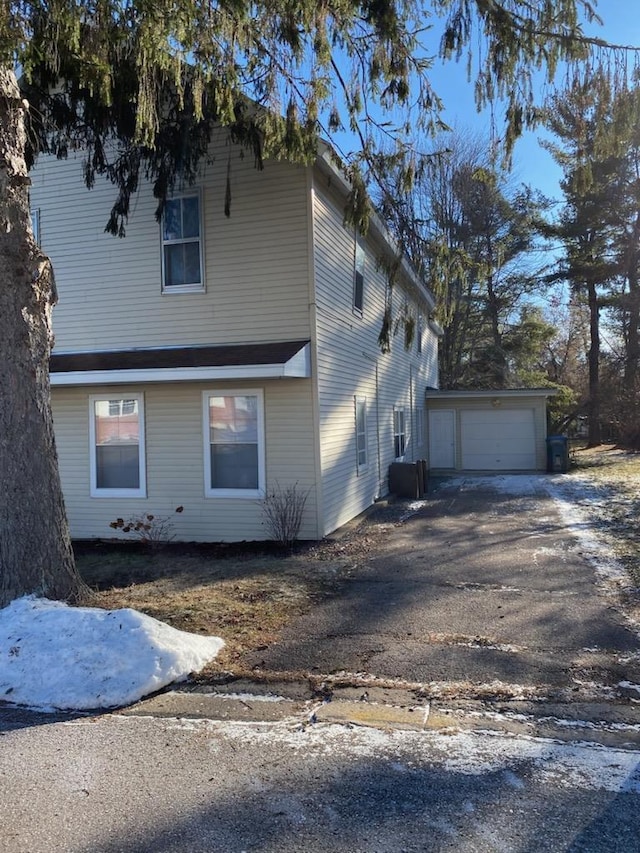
(476, 587)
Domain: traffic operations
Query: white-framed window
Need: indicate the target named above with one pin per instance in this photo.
(234, 443)
(399, 433)
(419, 427)
(35, 224)
(116, 432)
(419, 331)
(362, 455)
(182, 255)
(358, 276)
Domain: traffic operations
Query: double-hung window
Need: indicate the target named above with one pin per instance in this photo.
(358, 276)
(116, 427)
(234, 443)
(399, 433)
(35, 224)
(182, 259)
(361, 432)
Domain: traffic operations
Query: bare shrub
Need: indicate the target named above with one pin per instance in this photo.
(283, 508)
(152, 530)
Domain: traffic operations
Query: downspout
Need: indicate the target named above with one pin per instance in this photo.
(412, 421)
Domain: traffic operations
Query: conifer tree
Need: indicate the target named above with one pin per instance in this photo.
(597, 224)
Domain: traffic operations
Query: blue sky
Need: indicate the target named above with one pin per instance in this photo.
(532, 164)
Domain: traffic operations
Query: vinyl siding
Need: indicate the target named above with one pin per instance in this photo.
(175, 465)
(350, 363)
(256, 261)
(282, 244)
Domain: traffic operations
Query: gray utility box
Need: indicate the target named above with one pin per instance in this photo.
(408, 479)
(557, 454)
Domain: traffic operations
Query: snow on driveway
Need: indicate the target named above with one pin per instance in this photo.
(579, 500)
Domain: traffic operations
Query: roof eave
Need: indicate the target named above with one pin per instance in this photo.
(326, 164)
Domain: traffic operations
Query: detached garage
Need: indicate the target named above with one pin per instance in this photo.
(487, 431)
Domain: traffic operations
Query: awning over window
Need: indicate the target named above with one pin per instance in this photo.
(183, 364)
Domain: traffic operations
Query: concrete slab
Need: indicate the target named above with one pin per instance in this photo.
(240, 707)
(400, 710)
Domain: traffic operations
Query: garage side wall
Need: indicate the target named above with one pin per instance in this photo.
(503, 440)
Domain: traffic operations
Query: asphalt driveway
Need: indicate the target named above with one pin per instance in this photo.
(480, 591)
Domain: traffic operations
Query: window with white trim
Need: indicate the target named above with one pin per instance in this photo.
(35, 224)
(399, 433)
(358, 276)
(234, 443)
(182, 259)
(117, 465)
(361, 432)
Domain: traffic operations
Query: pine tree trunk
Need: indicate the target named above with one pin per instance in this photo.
(35, 547)
(632, 355)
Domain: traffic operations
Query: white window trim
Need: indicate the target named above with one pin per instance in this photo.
(35, 223)
(94, 491)
(403, 433)
(356, 401)
(250, 494)
(419, 332)
(185, 288)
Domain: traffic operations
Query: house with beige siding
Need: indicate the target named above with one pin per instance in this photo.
(207, 360)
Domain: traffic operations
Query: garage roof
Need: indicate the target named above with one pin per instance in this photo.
(437, 394)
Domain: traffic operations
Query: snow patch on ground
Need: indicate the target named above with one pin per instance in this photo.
(56, 657)
(575, 765)
(412, 509)
(629, 685)
(577, 498)
(251, 698)
(518, 485)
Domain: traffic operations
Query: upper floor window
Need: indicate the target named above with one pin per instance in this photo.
(358, 277)
(234, 444)
(116, 428)
(419, 331)
(361, 431)
(35, 224)
(399, 433)
(182, 266)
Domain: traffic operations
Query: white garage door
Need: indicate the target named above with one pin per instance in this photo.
(498, 440)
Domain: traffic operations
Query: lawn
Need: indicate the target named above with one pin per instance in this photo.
(614, 508)
(244, 593)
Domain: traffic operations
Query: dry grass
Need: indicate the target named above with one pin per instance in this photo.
(246, 602)
(616, 473)
(239, 593)
(609, 462)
